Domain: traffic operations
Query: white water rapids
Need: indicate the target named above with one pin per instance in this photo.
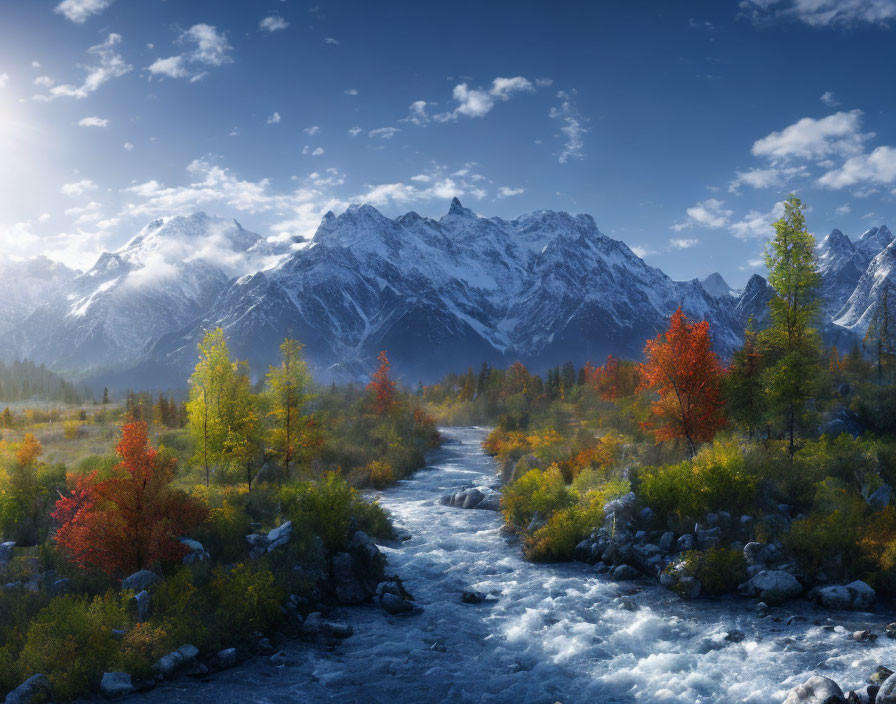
(547, 633)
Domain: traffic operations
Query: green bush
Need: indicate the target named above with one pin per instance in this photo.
(537, 490)
(719, 570)
(71, 642)
(715, 480)
(326, 508)
(248, 599)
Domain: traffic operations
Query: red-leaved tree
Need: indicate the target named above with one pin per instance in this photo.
(682, 368)
(613, 380)
(382, 387)
(133, 519)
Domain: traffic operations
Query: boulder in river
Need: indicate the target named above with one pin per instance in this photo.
(816, 690)
(772, 586)
(624, 573)
(116, 684)
(394, 604)
(887, 692)
(856, 595)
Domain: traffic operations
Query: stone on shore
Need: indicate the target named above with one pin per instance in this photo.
(816, 690)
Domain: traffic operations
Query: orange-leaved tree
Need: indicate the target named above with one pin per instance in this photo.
(382, 387)
(682, 368)
(133, 519)
(613, 380)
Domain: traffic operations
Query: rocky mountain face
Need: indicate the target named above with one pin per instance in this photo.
(440, 295)
(27, 285)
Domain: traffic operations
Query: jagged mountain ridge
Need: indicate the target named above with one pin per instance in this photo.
(438, 294)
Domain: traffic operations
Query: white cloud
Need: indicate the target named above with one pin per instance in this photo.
(111, 65)
(355, 131)
(383, 132)
(128, 146)
(808, 138)
(828, 99)
(417, 113)
(93, 122)
(351, 91)
(311, 131)
(330, 40)
(878, 167)
(683, 243)
(273, 23)
(823, 13)
(313, 152)
(478, 102)
(641, 251)
(274, 119)
(210, 48)
(35, 64)
(79, 10)
(506, 191)
(764, 178)
(710, 213)
(544, 82)
(172, 66)
(843, 209)
(78, 187)
(757, 224)
(4, 79)
(572, 127)
(44, 81)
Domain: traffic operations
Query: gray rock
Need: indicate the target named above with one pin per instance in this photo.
(227, 658)
(169, 664)
(772, 586)
(492, 502)
(646, 514)
(834, 597)
(885, 695)
(279, 536)
(472, 499)
(684, 543)
(197, 552)
(816, 690)
(6, 550)
(116, 684)
(689, 587)
(35, 689)
(143, 601)
(863, 596)
(471, 597)
(625, 572)
(667, 541)
(140, 580)
(881, 498)
(753, 553)
(346, 585)
(394, 604)
(280, 659)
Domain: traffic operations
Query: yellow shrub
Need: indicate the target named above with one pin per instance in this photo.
(380, 474)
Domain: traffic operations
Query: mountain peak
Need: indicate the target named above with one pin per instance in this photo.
(716, 286)
(457, 210)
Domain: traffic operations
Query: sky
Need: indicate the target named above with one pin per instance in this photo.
(679, 126)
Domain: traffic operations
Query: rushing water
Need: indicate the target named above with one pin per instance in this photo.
(547, 632)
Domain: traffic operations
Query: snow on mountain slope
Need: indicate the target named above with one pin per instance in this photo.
(168, 274)
(442, 293)
(860, 309)
(716, 286)
(28, 284)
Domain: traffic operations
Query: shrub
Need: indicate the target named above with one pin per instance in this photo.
(715, 480)
(71, 642)
(182, 610)
(143, 645)
(326, 508)
(380, 474)
(537, 490)
(248, 599)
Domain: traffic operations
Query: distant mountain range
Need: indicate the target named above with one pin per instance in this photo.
(439, 295)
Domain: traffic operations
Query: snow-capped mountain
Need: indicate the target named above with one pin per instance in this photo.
(167, 275)
(26, 285)
(715, 285)
(440, 295)
(452, 292)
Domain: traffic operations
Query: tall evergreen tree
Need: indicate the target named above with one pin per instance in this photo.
(791, 342)
(743, 384)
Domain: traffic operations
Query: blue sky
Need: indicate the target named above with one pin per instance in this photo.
(678, 126)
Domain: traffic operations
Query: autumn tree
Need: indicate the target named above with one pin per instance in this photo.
(614, 379)
(682, 368)
(382, 387)
(791, 343)
(29, 450)
(288, 389)
(134, 519)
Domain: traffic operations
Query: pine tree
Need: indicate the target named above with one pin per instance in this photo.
(743, 385)
(881, 334)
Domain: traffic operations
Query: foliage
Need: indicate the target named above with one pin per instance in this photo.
(381, 387)
(248, 599)
(682, 368)
(132, 520)
(536, 491)
(288, 387)
(71, 642)
(719, 570)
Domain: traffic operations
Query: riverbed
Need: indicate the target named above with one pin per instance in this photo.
(545, 633)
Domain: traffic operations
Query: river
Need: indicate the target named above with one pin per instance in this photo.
(547, 633)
